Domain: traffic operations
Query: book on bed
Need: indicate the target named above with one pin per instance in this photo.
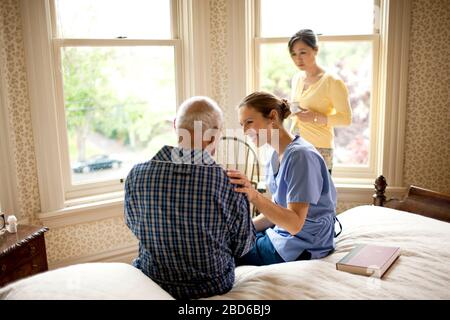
(369, 260)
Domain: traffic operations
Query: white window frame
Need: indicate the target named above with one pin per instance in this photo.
(75, 192)
(389, 78)
(190, 38)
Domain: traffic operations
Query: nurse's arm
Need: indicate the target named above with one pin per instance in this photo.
(261, 223)
(290, 219)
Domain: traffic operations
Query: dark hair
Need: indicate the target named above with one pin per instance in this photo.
(265, 102)
(307, 36)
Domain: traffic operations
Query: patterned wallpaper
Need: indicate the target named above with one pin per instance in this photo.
(218, 46)
(427, 143)
(427, 149)
(14, 78)
(85, 239)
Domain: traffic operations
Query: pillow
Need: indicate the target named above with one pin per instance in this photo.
(87, 281)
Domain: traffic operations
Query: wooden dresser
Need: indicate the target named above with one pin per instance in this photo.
(22, 254)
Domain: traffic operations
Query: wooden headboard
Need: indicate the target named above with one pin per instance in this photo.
(421, 201)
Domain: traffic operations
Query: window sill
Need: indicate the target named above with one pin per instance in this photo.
(83, 213)
(361, 190)
(363, 193)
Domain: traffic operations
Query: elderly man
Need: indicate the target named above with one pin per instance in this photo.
(190, 223)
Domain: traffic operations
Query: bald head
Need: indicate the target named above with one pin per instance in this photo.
(199, 109)
(200, 119)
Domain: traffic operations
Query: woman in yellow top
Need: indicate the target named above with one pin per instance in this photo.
(320, 99)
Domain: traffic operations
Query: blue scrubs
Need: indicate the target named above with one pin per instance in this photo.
(302, 176)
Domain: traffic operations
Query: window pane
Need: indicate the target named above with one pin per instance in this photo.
(106, 19)
(120, 103)
(352, 62)
(282, 18)
(276, 70)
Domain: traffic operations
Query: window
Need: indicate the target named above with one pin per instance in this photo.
(182, 43)
(348, 46)
(116, 68)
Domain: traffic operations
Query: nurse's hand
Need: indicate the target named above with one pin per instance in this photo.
(243, 185)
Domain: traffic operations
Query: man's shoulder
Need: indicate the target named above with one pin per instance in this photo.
(157, 164)
(168, 168)
(141, 166)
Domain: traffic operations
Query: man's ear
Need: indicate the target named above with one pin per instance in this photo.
(209, 139)
(209, 136)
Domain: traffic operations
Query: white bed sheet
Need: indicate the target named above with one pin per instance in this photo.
(421, 272)
(87, 281)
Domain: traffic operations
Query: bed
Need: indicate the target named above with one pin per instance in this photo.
(418, 224)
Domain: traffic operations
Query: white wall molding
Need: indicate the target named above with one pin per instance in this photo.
(394, 81)
(124, 254)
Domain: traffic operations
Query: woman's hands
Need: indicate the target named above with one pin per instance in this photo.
(243, 185)
(291, 218)
(312, 117)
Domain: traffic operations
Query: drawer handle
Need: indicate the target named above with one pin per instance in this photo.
(3, 267)
(34, 266)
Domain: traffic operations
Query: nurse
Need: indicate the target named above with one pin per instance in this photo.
(299, 223)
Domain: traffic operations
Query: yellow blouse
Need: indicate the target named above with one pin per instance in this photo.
(328, 96)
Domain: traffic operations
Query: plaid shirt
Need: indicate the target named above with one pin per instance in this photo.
(189, 222)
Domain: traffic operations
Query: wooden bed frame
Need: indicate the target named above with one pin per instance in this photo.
(418, 200)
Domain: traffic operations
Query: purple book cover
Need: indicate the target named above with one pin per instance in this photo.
(370, 256)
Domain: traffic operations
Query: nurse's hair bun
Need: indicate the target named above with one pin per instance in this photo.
(285, 109)
(265, 102)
